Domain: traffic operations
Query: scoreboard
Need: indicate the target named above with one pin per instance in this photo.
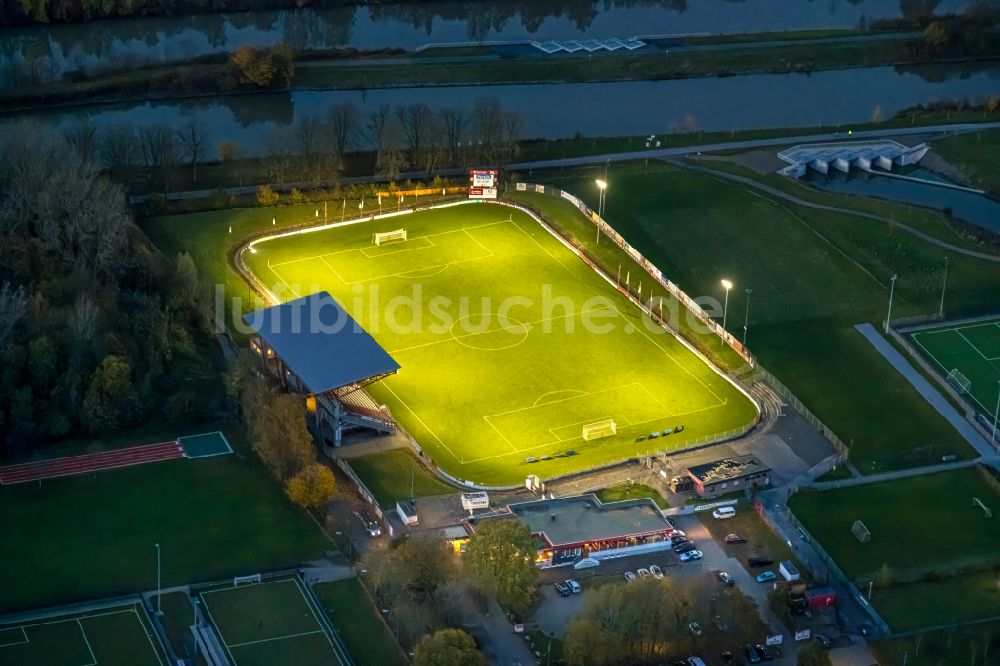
(483, 183)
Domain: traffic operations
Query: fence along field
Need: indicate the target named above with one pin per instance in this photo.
(518, 372)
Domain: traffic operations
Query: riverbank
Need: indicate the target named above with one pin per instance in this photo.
(462, 65)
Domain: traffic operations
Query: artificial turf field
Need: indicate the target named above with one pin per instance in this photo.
(510, 344)
(269, 623)
(974, 350)
(110, 637)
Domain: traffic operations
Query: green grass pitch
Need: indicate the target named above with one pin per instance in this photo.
(974, 350)
(269, 623)
(508, 342)
(111, 637)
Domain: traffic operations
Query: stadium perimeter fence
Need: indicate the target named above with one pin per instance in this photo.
(843, 582)
(366, 494)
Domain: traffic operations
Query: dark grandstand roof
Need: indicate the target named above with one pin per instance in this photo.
(321, 343)
(728, 469)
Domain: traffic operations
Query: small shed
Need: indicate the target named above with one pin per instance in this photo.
(788, 571)
(821, 597)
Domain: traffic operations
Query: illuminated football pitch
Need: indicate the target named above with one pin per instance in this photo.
(509, 343)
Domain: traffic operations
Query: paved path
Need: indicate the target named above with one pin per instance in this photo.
(774, 192)
(929, 393)
(898, 474)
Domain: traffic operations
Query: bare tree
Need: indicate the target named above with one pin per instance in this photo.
(488, 128)
(415, 120)
(158, 151)
(378, 132)
(307, 137)
(83, 138)
(193, 140)
(280, 155)
(13, 306)
(511, 131)
(118, 149)
(342, 124)
(453, 122)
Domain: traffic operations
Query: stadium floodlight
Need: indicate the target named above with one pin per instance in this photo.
(727, 285)
(602, 186)
(253, 250)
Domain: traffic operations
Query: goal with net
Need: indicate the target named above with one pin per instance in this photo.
(390, 236)
(599, 429)
(861, 532)
(959, 381)
(246, 580)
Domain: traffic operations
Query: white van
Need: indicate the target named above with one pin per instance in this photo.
(724, 512)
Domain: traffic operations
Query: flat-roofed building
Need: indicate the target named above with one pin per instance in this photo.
(729, 474)
(569, 529)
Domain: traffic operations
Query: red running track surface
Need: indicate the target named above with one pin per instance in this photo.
(92, 462)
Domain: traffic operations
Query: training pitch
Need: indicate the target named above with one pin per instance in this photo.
(110, 637)
(509, 343)
(269, 623)
(974, 350)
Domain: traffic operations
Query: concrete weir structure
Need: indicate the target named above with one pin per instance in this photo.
(865, 155)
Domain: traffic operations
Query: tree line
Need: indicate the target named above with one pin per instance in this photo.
(98, 330)
(386, 142)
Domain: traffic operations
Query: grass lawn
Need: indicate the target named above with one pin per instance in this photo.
(963, 598)
(761, 540)
(899, 515)
(357, 621)
(120, 636)
(976, 154)
(972, 349)
(963, 645)
(269, 623)
(509, 343)
(829, 272)
(93, 536)
(629, 491)
(388, 476)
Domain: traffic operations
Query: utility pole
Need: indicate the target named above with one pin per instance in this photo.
(159, 597)
(892, 290)
(944, 287)
(746, 319)
(996, 415)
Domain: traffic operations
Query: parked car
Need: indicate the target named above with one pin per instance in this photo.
(764, 653)
(684, 547)
(368, 523)
(677, 533)
(695, 661)
(752, 655)
(735, 538)
(766, 577)
(629, 576)
(760, 561)
(726, 579)
(676, 540)
(691, 555)
(574, 586)
(656, 571)
(824, 640)
(643, 573)
(695, 629)
(727, 656)
(724, 512)
(562, 589)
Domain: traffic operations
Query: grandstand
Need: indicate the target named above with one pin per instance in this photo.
(313, 346)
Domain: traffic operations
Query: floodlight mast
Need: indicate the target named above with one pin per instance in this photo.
(602, 186)
(727, 285)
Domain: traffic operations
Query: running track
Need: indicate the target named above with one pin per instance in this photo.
(93, 462)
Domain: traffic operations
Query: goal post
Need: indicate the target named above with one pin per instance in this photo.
(961, 383)
(861, 532)
(599, 429)
(246, 580)
(389, 236)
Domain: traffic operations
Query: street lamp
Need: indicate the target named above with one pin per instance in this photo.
(892, 290)
(727, 285)
(996, 415)
(746, 319)
(602, 185)
(159, 602)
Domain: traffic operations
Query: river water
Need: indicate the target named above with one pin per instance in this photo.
(256, 123)
(974, 208)
(51, 52)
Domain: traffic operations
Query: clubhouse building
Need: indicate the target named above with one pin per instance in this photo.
(569, 529)
(729, 474)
